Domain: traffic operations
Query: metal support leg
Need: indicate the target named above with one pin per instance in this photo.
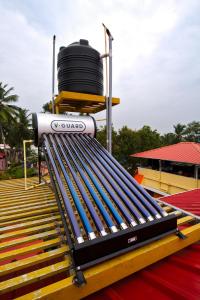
(53, 75)
(109, 99)
(39, 165)
(110, 95)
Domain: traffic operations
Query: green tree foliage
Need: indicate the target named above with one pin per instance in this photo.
(45, 107)
(183, 132)
(192, 132)
(168, 139)
(21, 130)
(101, 136)
(127, 142)
(16, 132)
(7, 110)
(179, 130)
(14, 123)
(149, 139)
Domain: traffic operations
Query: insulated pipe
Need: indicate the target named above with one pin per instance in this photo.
(131, 188)
(69, 210)
(122, 208)
(110, 95)
(106, 216)
(79, 207)
(102, 193)
(109, 99)
(137, 203)
(130, 178)
(89, 204)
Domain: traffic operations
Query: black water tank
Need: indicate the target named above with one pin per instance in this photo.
(80, 69)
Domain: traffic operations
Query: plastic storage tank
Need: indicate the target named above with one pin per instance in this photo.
(80, 69)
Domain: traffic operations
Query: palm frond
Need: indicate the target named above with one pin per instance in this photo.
(8, 91)
(15, 107)
(11, 98)
(3, 116)
(9, 113)
(3, 86)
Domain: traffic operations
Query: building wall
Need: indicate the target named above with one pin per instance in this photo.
(167, 182)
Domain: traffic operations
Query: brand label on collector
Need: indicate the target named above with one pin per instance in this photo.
(70, 126)
(133, 239)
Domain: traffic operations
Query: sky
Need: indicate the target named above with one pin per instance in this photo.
(156, 54)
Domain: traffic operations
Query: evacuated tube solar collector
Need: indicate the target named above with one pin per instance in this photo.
(105, 211)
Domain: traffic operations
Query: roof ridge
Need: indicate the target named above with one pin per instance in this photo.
(186, 142)
(187, 152)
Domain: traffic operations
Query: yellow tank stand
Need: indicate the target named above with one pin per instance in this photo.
(79, 102)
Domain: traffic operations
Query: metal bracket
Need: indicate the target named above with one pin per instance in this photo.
(181, 235)
(79, 280)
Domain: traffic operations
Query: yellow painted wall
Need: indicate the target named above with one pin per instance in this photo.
(166, 182)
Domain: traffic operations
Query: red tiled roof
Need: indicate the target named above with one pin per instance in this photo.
(175, 277)
(187, 152)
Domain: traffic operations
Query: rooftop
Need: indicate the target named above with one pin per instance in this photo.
(175, 277)
(185, 152)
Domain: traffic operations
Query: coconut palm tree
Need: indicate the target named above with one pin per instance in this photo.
(17, 132)
(179, 130)
(8, 111)
(20, 130)
(6, 108)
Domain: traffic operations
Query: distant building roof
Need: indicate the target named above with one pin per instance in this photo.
(187, 152)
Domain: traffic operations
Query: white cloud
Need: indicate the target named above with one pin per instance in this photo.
(25, 59)
(148, 72)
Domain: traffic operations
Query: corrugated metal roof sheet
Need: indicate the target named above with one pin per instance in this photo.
(187, 152)
(189, 201)
(175, 277)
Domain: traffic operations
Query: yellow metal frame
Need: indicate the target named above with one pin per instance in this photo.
(32, 217)
(109, 272)
(25, 167)
(79, 102)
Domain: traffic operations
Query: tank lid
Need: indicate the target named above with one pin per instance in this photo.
(84, 42)
(81, 42)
